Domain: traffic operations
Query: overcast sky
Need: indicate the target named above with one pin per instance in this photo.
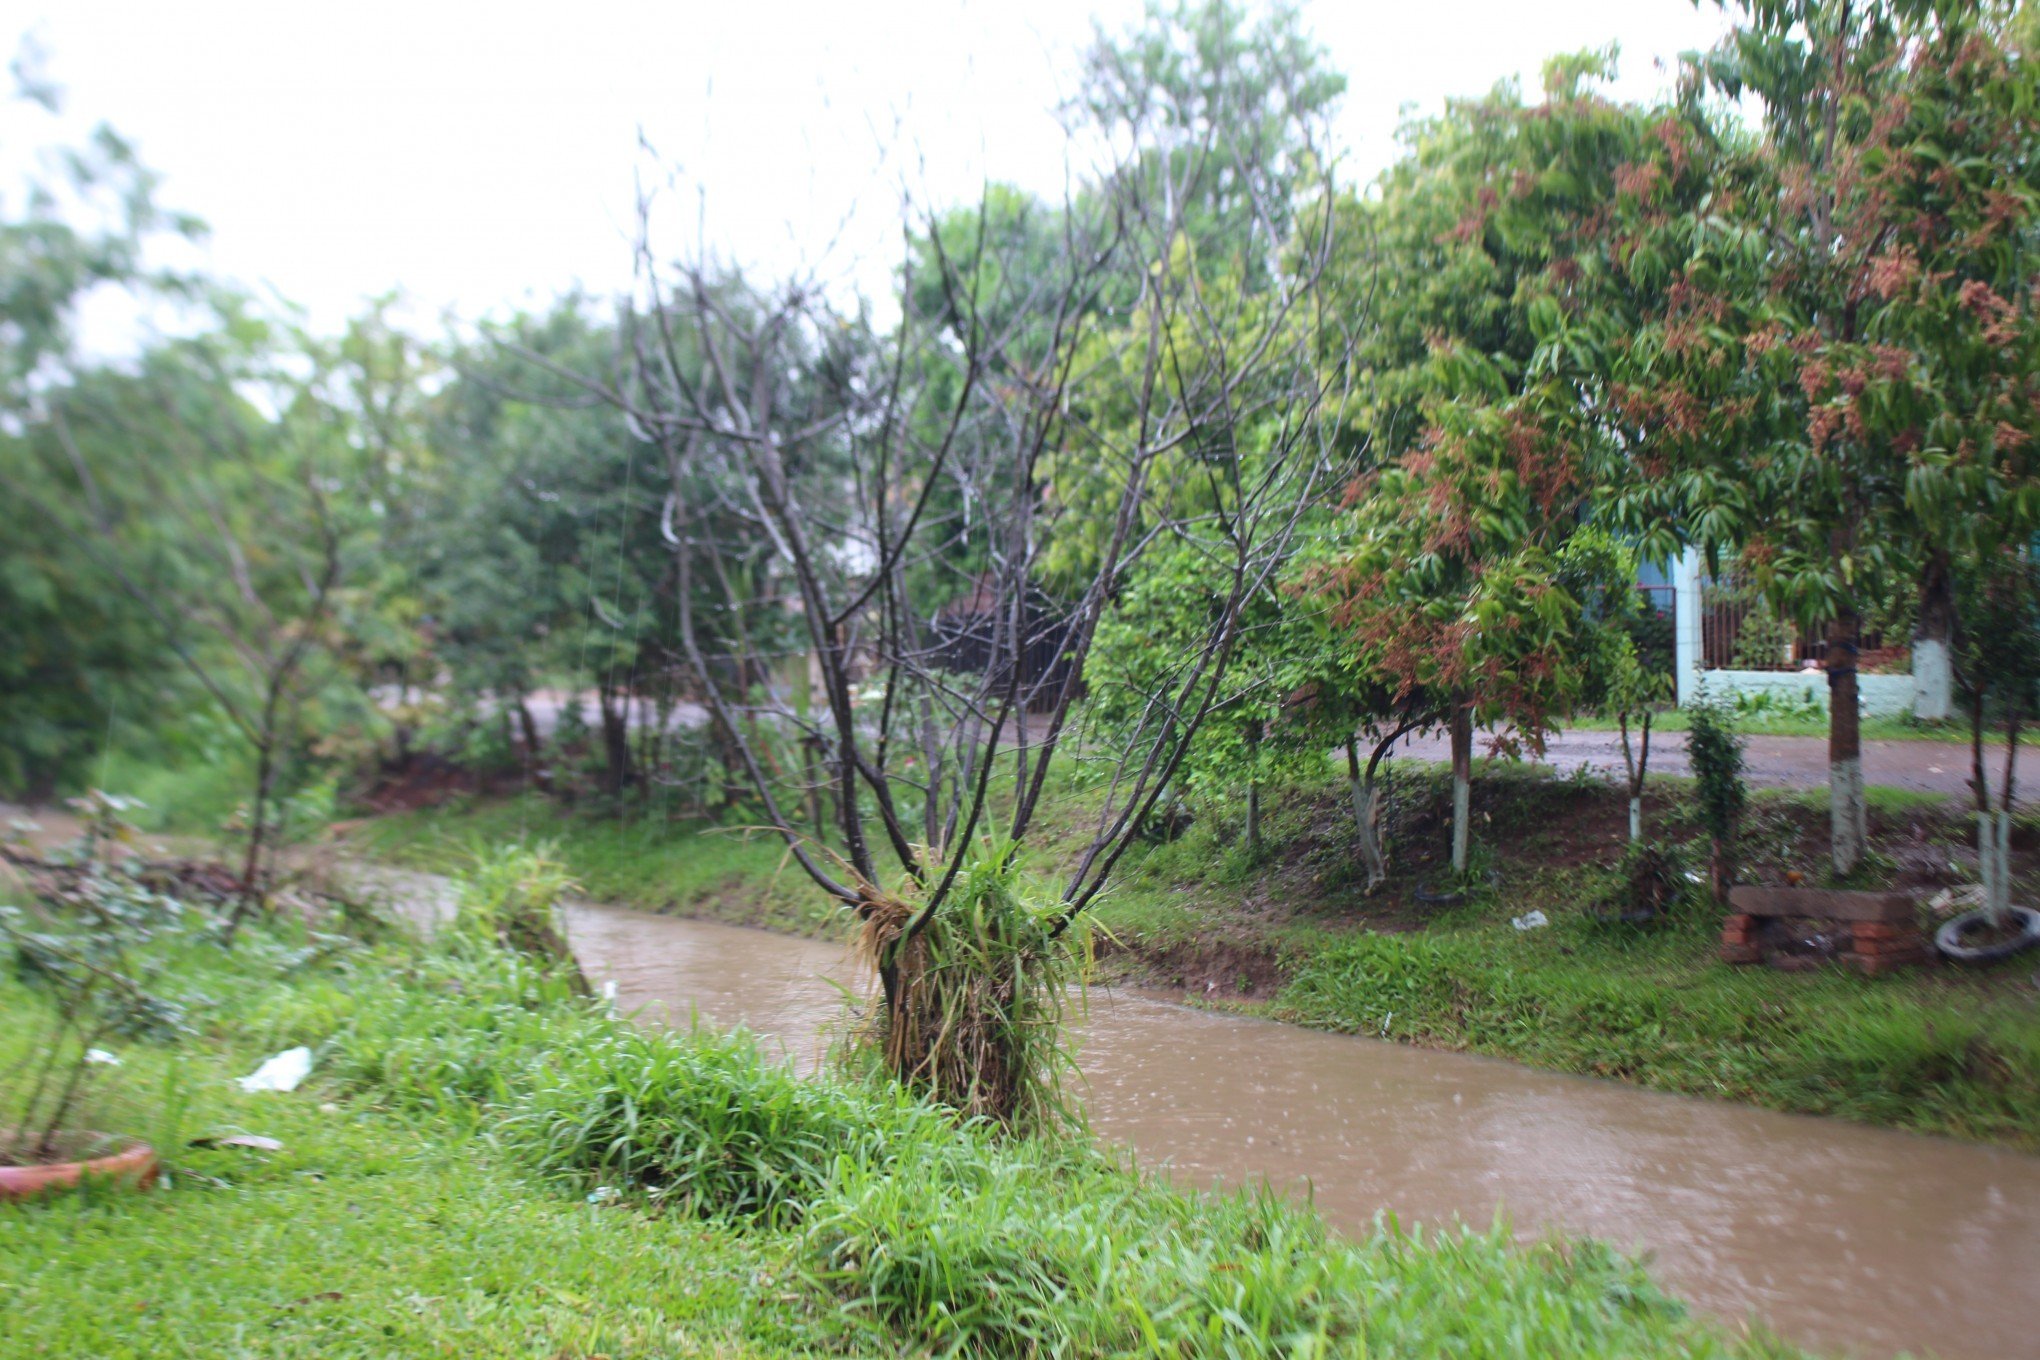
(483, 156)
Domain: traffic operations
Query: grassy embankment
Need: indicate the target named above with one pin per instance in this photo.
(1290, 935)
(483, 1165)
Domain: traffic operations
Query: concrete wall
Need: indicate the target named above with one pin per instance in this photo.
(1881, 696)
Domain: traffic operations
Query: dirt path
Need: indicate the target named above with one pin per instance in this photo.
(1776, 762)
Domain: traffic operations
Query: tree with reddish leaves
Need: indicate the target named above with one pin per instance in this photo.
(1828, 391)
(1462, 591)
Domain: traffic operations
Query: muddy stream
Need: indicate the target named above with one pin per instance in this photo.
(1841, 1237)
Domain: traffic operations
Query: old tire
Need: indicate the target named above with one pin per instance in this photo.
(1949, 938)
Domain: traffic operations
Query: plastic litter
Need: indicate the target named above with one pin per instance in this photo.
(240, 1140)
(99, 1057)
(1536, 920)
(281, 1073)
(1954, 901)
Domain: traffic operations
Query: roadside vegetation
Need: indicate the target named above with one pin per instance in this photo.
(488, 1161)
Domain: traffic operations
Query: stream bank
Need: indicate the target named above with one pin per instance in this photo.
(1290, 936)
(1833, 1234)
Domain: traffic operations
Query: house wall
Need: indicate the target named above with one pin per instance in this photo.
(1881, 696)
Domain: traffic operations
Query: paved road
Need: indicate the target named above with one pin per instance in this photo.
(1780, 762)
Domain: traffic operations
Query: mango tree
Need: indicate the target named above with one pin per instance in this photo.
(1493, 285)
(1796, 400)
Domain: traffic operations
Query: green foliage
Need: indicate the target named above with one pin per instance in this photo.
(1716, 754)
(71, 651)
(1264, 722)
(1487, 287)
(510, 898)
(1837, 385)
(1203, 90)
(1761, 641)
(1997, 652)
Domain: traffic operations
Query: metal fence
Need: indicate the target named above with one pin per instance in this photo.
(1740, 631)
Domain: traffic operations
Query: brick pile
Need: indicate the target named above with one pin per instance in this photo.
(1882, 929)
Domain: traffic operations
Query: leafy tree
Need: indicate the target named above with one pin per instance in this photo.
(204, 482)
(1462, 591)
(1819, 393)
(545, 561)
(72, 655)
(1223, 106)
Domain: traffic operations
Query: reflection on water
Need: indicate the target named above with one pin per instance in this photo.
(1835, 1234)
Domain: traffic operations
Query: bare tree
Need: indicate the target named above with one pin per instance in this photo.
(1094, 373)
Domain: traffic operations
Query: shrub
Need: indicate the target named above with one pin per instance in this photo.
(1716, 753)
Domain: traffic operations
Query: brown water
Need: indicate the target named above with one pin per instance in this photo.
(1836, 1235)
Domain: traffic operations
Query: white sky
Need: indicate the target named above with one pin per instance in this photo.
(479, 156)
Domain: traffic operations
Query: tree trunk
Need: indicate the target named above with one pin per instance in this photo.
(258, 822)
(1996, 857)
(1848, 817)
(533, 752)
(615, 745)
(1933, 672)
(1462, 784)
(1636, 761)
(812, 777)
(1367, 804)
(1362, 791)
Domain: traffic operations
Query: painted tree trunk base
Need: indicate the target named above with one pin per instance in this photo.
(1933, 681)
(1635, 819)
(1994, 863)
(1462, 804)
(1849, 818)
(1367, 820)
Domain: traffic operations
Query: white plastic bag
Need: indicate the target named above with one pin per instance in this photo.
(1534, 921)
(281, 1073)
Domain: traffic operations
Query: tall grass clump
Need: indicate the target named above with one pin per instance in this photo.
(710, 1124)
(1038, 1257)
(510, 896)
(974, 997)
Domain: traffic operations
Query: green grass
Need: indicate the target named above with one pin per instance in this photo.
(1585, 998)
(485, 1165)
(692, 868)
(374, 1232)
(1291, 937)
